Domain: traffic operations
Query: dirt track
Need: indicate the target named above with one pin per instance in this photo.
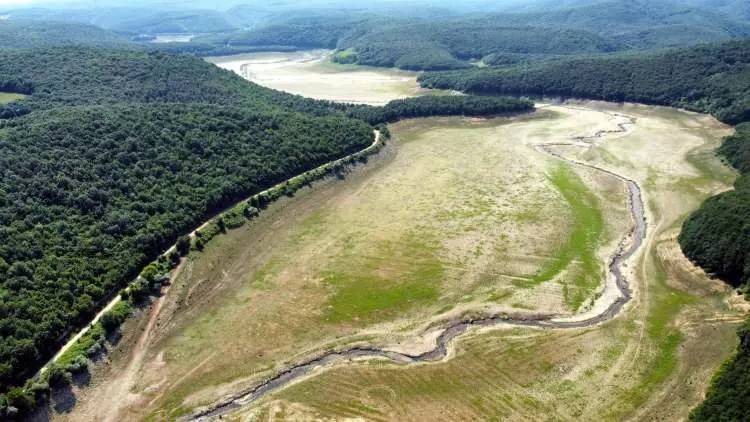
(629, 245)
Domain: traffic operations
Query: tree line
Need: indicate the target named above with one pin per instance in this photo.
(440, 105)
(709, 78)
(717, 237)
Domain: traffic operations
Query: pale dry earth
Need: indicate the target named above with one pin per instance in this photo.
(311, 74)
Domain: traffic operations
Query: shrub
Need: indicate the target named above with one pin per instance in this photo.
(116, 316)
(183, 245)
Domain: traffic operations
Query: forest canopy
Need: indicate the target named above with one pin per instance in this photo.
(717, 236)
(709, 78)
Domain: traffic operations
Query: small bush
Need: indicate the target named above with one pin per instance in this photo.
(183, 245)
(79, 364)
(57, 376)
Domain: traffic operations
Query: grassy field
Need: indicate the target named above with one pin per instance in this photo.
(8, 97)
(652, 363)
(581, 245)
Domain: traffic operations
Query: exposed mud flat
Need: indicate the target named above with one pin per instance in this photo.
(310, 74)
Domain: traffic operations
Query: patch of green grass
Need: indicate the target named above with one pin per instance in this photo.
(9, 97)
(82, 347)
(397, 276)
(582, 243)
(666, 303)
(710, 166)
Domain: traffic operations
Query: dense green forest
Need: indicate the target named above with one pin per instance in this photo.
(448, 105)
(32, 34)
(87, 76)
(90, 194)
(717, 236)
(113, 154)
(708, 78)
(453, 42)
(435, 46)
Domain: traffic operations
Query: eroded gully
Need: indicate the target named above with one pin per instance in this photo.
(628, 246)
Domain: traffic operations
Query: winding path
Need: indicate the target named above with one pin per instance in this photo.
(628, 246)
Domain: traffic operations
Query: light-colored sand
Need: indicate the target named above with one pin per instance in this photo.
(309, 73)
(166, 38)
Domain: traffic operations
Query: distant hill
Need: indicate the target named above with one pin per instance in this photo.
(28, 34)
(734, 9)
(437, 46)
(452, 42)
(131, 20)
(637, 23)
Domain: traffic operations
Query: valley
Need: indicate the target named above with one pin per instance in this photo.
(456, 219)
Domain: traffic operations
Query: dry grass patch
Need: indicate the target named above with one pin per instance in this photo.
(9, 97)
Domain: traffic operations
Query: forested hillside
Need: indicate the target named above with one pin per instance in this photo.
(132, 20)
(89, 195)
(120, 152)
(710, 78)
(30, 34)
(717, 237)
(452, 42)
(80, 76)
(436, 46)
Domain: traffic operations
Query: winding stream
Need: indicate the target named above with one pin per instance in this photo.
(628, 246)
